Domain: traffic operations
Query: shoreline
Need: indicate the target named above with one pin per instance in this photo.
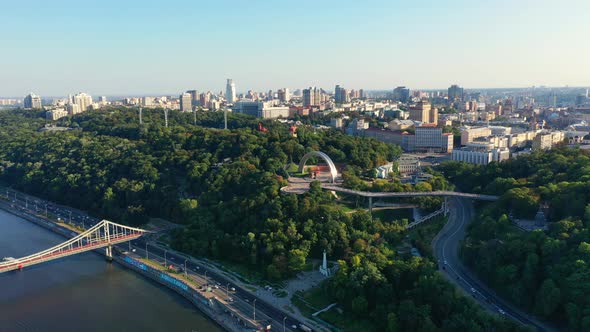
(162, 279)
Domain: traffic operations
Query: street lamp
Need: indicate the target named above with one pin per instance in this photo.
(284, 323)
(147, 256)
(129, 245)
(255, 311)
(227, 290)
(165, 261)
(46, 214)
(185, 273)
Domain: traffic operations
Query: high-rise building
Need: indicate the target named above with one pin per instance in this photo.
(362, 94)
(341, 95)
(186, 102)
(32, 101)
(283, 95)
(205, 98)
(194, 97)
(83, 100)
(102, 100)
(312, 97)
(455, 93)
(424, 113)
(401, 93)
(230, 91)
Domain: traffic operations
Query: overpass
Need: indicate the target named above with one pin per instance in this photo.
(440, 193)
(105, 234)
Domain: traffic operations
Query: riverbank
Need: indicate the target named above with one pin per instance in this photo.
(211, 308)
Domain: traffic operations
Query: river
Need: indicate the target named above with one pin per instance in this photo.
(82, 292)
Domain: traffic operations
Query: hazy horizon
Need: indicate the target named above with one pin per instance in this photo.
(138, 48)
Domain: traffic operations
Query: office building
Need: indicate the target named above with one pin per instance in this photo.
(455, 93)
(186, 102)
(230, 91)
(264, 110)
(204, 99)
(32, 101)
(480, 154)
(401, 93)
(427, 138)
(430, 138)
(468, 135)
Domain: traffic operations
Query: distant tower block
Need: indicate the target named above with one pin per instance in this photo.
(324, 268)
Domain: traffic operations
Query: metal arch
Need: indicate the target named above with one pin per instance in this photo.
(333, 170)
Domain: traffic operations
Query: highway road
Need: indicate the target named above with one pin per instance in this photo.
(446, 246)
(200, 270)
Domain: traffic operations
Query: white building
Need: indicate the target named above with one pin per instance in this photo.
(83, 100)
(546, 140)
(408, 165)
(264, 110)
(56, 114)
(230, 91)
(73, 109)
(480, 154)
(32, 101)
(186, 102)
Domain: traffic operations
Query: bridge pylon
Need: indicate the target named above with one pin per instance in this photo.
(104, 234)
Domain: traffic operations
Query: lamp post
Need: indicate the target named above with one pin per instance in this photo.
(185, 273)
(165, 260)
(227, 290)
(284, 319)
(147, 256)
(255, 310)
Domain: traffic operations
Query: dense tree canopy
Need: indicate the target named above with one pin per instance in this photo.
(547, 273)
(224, 187)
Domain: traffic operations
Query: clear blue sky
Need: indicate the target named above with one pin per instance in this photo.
(155, 47)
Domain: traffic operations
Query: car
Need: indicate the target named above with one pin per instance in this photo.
(216, 286)
(134, 250)
(502, 312)
(294, 327)
(445, 262)
(472, 290)
(229, 299)
(232, 289)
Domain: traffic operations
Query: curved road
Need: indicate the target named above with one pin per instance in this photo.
(446, 246)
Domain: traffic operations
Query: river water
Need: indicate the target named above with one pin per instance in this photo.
(82, 292)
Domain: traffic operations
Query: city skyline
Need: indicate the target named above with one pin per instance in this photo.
(134, 48)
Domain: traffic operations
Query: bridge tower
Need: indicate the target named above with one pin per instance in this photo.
(109, 248)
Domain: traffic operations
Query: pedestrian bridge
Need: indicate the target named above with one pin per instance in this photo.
(331, 187)
(105, 234)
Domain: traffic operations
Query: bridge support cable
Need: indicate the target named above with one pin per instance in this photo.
(103, 234)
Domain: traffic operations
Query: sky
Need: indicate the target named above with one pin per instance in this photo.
(139, 47)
